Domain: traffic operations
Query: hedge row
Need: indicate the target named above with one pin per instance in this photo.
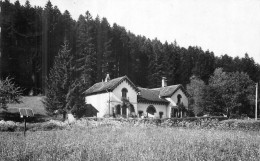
(216, 122)
(11, 126)
(160, 121)
(198, 123)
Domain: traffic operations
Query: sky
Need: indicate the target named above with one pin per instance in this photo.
(229, 27)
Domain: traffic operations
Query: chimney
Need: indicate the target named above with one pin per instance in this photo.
(164, 82)
(107, 78)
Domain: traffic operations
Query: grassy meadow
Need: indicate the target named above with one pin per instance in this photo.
(129, 142)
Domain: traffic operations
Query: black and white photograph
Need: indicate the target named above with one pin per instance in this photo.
(121, 80)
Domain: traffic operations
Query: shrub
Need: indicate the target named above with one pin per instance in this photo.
(6, 128)
(234, 124)
(234, 116)
(9, 126)
(9, 92)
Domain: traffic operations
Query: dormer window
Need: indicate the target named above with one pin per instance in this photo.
(124, 92)
(179, 99)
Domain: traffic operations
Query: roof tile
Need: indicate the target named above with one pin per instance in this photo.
(110, 85)
(153, 95)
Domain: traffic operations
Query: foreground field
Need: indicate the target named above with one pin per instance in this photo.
(128, 142)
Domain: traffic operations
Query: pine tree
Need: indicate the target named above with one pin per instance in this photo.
(103, 48)
(68, 24)
(120, 51)
(86, 54)
(46, 41)
(52, 37)
(60, 83)
(31, 37)
(156, 64)
(107, 59)
(9, 92)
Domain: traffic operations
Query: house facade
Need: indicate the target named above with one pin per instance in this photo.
(120, 97)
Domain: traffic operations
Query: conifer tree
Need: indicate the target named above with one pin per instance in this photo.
(107, 59)
(31, 37)
(60, 83)
(103, 48)
(156, 64)
(86, 54)
(9, 92)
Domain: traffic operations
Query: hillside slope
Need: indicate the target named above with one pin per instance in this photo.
(32, 102)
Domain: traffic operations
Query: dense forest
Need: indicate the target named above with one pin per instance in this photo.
(31, 37)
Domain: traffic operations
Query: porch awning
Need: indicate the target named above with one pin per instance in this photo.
(172, 103)
(114, 100)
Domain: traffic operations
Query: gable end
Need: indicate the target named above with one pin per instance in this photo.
(182, 89)
(128, 81)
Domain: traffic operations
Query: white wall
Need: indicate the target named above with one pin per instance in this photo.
(131, 94)
(100, 102)
(184, 99)
(174, 98)
(172, 103)
(159, 108)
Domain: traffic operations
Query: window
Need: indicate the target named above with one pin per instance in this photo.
(179, 99)
(140, 113)
(124, 92)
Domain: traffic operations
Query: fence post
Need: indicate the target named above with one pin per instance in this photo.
(24, 126)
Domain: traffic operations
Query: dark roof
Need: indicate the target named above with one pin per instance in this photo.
(168, 90)
(108, 86)
(159, 94)
(150, 95)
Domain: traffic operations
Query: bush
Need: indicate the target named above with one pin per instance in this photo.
(210, 122)
(7, 128)
(10, 126)
(234, 116)
(240, 124)
(9, 92)
(190, 113)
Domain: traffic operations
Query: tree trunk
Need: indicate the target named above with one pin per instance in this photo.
(228, 113)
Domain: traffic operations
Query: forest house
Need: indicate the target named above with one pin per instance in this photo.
(120, 97)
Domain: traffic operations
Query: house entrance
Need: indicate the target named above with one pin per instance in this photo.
(124, 109)
(178, 111)
(118, 110)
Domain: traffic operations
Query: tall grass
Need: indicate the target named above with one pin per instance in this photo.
(130, 143)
